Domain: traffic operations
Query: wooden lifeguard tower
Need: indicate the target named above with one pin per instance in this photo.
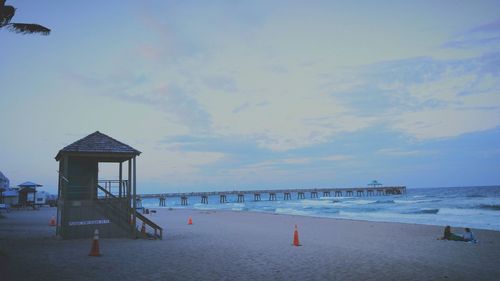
(27, 194)
(87, 203)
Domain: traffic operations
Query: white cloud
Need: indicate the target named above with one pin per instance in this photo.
(444, 123)
(337, 158)
(228, 95)
(461, 100)
(173, 166)
(446, 89)
(279, 163)
(403, 153)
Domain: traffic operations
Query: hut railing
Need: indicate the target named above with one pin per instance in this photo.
(110, 188)
(158, 231)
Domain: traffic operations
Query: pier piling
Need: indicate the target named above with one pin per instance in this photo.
(272, 196)
(300, 195)
(184, 200)
(241, 198)
(287, 196)
(162, 202)
(256, 197)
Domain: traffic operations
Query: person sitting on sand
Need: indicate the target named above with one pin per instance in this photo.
(448, 235)
(469, 236)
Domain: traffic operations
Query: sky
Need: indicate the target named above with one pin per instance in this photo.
(232, 95)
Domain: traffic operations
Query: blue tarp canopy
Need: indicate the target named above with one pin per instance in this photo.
(10, 193)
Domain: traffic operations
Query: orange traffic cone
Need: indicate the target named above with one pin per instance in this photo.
(52, 221)
(143, 228)
(190, 221)
(94, 252)
(296, 237)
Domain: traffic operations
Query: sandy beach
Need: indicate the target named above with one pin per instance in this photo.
(225, 245)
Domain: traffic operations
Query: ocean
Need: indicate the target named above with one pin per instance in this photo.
(474, 207)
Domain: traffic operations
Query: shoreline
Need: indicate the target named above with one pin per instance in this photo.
(316, 216)
(241, 245)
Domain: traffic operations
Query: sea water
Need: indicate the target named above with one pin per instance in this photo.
(474, 207)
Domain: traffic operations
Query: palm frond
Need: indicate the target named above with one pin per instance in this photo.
(28, 28)
(6, 14)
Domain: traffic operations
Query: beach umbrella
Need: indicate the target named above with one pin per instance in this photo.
(7, 12)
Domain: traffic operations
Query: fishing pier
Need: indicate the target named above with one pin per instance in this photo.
(274, 195)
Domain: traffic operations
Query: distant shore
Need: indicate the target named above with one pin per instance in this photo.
(229, 245)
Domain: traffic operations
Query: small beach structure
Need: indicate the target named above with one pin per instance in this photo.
(27, 193)
(4, 182)
(375, 183)
(10, 196)
(86, 203)
(4, 186)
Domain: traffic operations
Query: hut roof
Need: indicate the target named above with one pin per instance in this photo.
(27, 189)
(29, 184)
(98, 143)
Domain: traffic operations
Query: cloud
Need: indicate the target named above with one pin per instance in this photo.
(166, 96)
(295, 90)
(428, 99)
(482, 36)
(286, 171)
(493, 26)
(460, 100)
(336, 158)
(445, 123)
(403, 153)
(178, 166)
(467, 42)
(421, 97)
(299, 161)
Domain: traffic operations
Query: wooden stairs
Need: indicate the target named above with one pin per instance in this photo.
(119, 212)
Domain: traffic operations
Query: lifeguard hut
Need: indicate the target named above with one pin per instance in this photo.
(27, 193)
(87, 203)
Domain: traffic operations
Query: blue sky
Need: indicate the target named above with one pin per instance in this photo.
(258, 94)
